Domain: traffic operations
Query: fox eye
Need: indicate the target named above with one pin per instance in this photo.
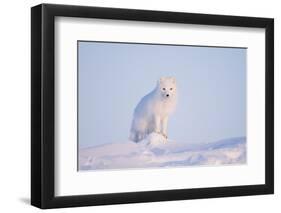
(171, 88)
(163, 88)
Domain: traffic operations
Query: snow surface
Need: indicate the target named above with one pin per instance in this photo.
(155, 151)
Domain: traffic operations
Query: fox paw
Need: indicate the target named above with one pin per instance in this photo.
(164, 135)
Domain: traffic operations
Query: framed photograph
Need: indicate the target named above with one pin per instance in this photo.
(139, 106)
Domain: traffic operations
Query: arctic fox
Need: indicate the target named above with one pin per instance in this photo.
(152, 112)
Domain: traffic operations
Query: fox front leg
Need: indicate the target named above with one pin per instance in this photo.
(157, 123)
(165, 127)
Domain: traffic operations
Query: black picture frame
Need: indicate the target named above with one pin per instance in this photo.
(43, 102)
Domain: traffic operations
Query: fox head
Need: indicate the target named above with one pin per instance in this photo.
(167, 87)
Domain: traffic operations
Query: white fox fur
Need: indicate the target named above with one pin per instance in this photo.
(153, 111)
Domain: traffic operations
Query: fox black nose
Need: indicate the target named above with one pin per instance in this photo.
(167, 95)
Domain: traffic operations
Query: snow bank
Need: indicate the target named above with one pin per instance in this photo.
(156, 151)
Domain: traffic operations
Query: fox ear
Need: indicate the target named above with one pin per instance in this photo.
(173, 79)
(160, 80)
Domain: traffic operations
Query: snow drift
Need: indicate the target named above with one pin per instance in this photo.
(155, 151)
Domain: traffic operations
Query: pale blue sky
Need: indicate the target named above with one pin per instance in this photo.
(113, 77)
